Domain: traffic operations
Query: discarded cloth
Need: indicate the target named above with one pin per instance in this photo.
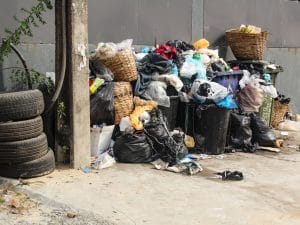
(156, 91)
(181, 46)
(151, 65)
(170, 79)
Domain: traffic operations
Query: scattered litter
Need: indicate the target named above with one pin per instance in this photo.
(233, 176)
(86, 169)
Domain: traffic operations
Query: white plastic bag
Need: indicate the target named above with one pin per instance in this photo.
(191, 67)
(103, 161)
(216, 93)
(100, 139)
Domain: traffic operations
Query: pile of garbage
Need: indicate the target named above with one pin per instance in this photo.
(157, 104)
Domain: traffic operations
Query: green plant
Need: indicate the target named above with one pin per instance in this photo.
(38, 80)
(65, 149)
(61, 110)
(32, 19)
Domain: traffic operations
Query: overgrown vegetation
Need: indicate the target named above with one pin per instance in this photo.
(33, 19)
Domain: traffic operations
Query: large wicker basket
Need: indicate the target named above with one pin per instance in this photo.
(123, 100)
(245, 45)
(278, 113)
(122, 65)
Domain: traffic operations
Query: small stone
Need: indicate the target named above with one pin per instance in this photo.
(71, 215)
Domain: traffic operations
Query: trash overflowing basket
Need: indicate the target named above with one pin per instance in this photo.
(211, 125)
(261, 67)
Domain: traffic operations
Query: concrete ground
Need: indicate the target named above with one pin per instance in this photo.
(128, 194)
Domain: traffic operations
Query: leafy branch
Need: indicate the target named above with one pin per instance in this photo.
(33, 19)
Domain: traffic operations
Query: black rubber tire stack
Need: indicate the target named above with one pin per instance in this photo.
(24, 151)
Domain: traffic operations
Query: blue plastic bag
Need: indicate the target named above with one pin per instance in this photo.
(228, 103)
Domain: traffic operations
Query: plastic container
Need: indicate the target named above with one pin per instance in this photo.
(230, 80)
(171, 112)
(211, 125)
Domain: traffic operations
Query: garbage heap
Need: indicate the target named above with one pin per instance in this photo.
(158, 104)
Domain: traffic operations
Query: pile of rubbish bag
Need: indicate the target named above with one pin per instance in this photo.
(218, 103)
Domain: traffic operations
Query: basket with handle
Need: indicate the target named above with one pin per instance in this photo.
(278, 113)
(122, 65)
(247, 45)
(123, 100)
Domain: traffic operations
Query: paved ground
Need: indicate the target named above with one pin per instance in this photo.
(138, 194)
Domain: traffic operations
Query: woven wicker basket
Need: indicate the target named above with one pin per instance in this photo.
(122, 65)
(123, 100)
(247, 46)
(278, 112)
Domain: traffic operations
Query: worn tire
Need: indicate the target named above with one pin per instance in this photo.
(35, 168)
(21, 130)
(21, 105)
(23, 151)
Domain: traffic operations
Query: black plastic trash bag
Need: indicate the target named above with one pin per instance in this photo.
(102, 105)
(262, 133)
(133, 148)
(241, 132)
(164, 144)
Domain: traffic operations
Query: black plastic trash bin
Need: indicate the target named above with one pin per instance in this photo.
(171, 112)
(211, 125)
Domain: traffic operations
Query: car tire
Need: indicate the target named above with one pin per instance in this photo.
(36, 168)
(21, 105)
(21, 130)
(23, 151)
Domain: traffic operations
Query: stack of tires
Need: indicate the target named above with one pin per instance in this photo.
(24, 151)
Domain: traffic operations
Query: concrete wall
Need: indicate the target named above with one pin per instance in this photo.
(147, 20)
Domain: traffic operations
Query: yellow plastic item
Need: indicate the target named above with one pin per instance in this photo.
(201, 44)
(96, 84)
(134, 117)
(189, 141)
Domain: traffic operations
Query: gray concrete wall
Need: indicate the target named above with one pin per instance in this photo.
(147, 20)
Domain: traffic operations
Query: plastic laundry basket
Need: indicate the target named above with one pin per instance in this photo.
(230, 80)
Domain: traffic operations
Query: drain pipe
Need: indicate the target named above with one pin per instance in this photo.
(64, 56)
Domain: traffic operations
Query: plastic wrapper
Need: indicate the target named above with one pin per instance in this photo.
(109, 50)
(102, 105)
(133, 148)
(262, 133)
(270, 91)
(156, 91)
(164, 144)
(205, 91)
(191, 67)
(251, 98)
